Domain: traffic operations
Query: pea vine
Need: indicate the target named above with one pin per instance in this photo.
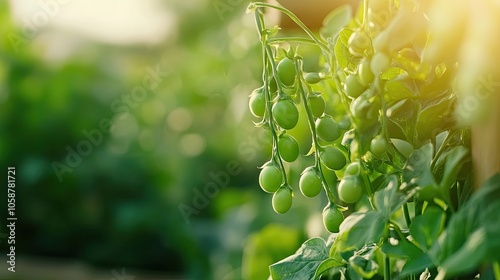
(381, 120)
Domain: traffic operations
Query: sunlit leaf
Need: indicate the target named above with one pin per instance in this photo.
(362, 228)
(471, 236)
(417, 170)
(342, 54)
(388, 200)
(304, 263)
(455, 160)
(403, 249)
(362, 262)
(325, 266)
(426, 228)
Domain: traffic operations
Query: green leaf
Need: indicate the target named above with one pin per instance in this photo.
(394, 130)
(417, 264)
(271, 32)
(366, 137)
(365, 268)
(426, 228)
(432, 117)
(403, 147)
(400, 88)
(404, 115)
(471, 237)
(342, 54)
(409, 60)
(304, 263)
(388, 200)
(392, 73)
(362, 261)
(361, 228)
(417, 170)
(439, 87)
(380, 182)
(382, 166)
(352, 274)
(440, 138)
(335, 21)
(403, 249)
(395, 107)
(334, 252)
(455, 160)
(468, 257)
(325, 266)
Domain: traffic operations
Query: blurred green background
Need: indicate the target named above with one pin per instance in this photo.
(128, 126)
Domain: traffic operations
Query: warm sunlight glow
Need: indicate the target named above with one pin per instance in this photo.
(110, 21)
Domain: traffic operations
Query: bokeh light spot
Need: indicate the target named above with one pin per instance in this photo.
(192, 144)
(180, 119)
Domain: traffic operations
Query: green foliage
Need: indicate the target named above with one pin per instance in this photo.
(471, 232)
(262, 250)
(118, 207)
(402, 165)
(306, 263)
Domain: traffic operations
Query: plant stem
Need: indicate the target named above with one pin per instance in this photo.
(398, 231)
(442, 148)
(291, 39)
(266, 59)
(332, 197)
(293, 17)
(496, 270)
(406, 213)
(419, 205)
(383, 105)
(365, 15)
(367, 184)
(387, 268)
(398, 168)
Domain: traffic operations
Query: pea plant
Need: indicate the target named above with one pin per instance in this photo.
(389, 156)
